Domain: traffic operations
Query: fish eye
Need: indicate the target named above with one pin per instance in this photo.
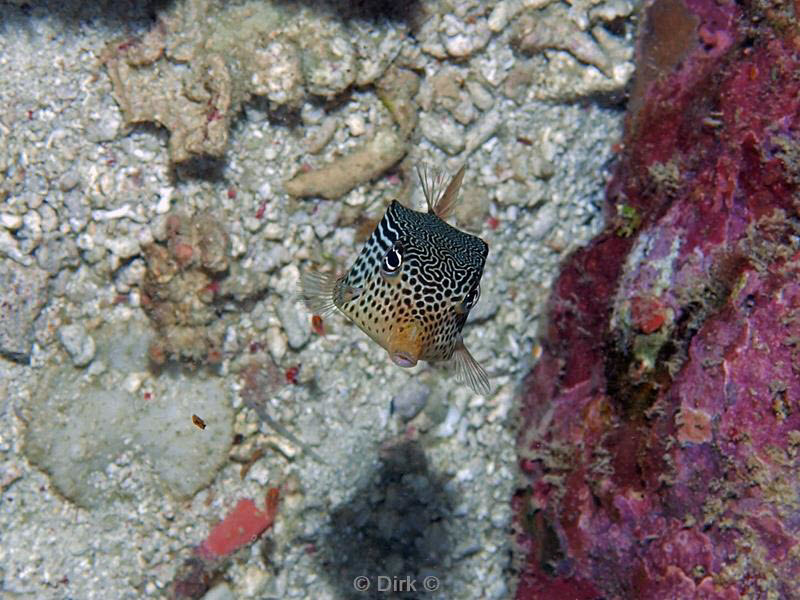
(471, 298)
(392, 261)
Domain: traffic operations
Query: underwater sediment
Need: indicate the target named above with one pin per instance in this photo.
(660, 429)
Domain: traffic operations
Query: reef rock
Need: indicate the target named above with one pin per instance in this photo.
(661, 428)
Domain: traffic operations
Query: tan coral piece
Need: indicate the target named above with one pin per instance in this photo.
(339, 177)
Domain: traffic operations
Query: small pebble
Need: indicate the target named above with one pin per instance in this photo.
(295, 323)
(450, 424)
(443, 132)
(480, 95)
(68, 180)
(9, 221)
(276, 343)
(78, 344)
(356, 125)
(219, 592)
(411, 400)
(546, 218)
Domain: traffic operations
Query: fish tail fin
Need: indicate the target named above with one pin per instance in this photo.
(316, 290)
(469, 371)
(441, 203)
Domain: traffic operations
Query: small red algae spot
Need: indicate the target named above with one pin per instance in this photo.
(213, 287)
(147, 396)
(30, 115)
(617, 147)
(183, 253)
(317, 326)
(256, 347)
(291, 374)
(493, 222)
(240, 527)
(157, 353)
(231, 193)
(121, 299)
(261, 209)
(305, 167)
(648, 313)
(214, 115)
(214, 356)
(127, 44)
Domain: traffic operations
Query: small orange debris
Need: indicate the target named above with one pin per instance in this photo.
(248, 463)
(271, 503)
(317, 325)
(198, 421)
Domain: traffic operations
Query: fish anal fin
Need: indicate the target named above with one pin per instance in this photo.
(469, 370)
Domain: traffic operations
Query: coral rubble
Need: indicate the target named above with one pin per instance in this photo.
(193, 71)
(661, 427)
(180, 287)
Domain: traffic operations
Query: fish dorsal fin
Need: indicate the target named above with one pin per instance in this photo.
(441, 203)
(469, 371)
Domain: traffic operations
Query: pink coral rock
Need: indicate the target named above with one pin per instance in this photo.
(660, 438)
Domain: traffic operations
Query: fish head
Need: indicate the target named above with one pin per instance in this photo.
(417, 279)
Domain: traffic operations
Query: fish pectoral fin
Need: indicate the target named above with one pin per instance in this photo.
(350, 293)
(469, 371)
(317, 290)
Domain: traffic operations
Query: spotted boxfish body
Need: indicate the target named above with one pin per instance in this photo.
(413, 284)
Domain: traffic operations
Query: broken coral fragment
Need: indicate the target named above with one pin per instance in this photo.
(240, 527)
(342, 175)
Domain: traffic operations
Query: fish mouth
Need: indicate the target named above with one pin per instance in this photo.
(403, 359)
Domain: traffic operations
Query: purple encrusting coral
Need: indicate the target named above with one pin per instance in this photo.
(660, 439)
